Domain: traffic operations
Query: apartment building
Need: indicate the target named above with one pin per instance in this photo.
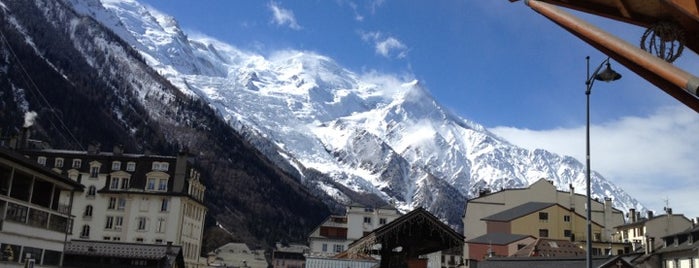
(133, 198)
(338, 231)
(34, 221)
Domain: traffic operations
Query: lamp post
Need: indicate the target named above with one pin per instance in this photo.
(606, 75)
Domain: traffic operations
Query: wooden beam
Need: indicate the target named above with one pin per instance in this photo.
(676, 82)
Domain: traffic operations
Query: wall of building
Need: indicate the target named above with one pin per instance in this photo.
(540, 191)
(556, 224)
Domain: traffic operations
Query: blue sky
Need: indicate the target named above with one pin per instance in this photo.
(491, 61)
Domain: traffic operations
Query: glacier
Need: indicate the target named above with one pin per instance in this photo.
(368, 133)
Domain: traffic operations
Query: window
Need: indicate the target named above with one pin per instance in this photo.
(41, 160)
(112, 203)
(116, 238)
(77, 163)
(325, 247)
(151, 184)
(116, 165)
(118, 222)
(130, 166)
(58, 163)
(141, 223)
(162, 185)
(122, 204)
(597, 237)
(88, 211)
(115, 184)
(164, 204)
(94, 171)
(158, 241)
(91, 191)
(85, 233)
(140, 239)
(367, 220)
(543, 232)
(338, 248)
(160, 228)
(566, 218)
(543, 216)
(382, 221)
(109, 223)
(124, 183)
(567, 233)
(106, 238)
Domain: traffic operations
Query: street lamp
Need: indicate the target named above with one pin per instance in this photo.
(606, 75)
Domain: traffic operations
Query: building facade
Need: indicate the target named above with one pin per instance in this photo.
(641, 232)
(563, 221)
(34, 221)
(336, 233)
(133, 198)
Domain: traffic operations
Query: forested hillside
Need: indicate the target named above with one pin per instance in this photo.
(87, 86)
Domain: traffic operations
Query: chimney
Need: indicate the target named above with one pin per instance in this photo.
(650, 214)
(649, 245)
(23, 138)
(572, 197)
(632, 215)
(118, 149)
(93, 148)
(180, 171)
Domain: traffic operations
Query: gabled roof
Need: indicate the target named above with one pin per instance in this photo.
(419, 230)
(498, 239)
(518, 211)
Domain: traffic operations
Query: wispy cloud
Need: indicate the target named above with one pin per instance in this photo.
(375, 4)
(652, 157)
(282, 16)
(387, 46)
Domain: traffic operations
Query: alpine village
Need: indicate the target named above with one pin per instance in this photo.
(107, 160)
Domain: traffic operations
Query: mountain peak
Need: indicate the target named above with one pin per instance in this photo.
(372, 133)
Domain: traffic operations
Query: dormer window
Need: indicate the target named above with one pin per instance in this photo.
(115, 184)
(151, 184)
(162, 185)
(116, 165)
(124, 183)
(130, 166)
(161, 166)
(94, 172)
(41, 160)
(58, 163)
(77, 163)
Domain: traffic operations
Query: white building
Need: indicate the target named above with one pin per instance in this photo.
(337, 232)
(133, 198)
(33, 221)
(641, 231)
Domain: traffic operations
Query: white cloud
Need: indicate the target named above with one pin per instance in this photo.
(652, 158)
(385, 46)
(374, 5)
(283, 17)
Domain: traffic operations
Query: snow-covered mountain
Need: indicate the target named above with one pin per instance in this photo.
(367, 133)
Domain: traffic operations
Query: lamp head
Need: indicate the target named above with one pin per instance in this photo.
(608, 75)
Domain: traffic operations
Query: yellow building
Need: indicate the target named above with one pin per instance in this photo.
(551, 221)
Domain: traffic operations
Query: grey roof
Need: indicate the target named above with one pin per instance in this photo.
(120, 250)
(497, 238)
(539, 262)
(518, 211)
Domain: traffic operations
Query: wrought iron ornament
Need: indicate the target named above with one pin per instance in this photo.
(665, 40)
